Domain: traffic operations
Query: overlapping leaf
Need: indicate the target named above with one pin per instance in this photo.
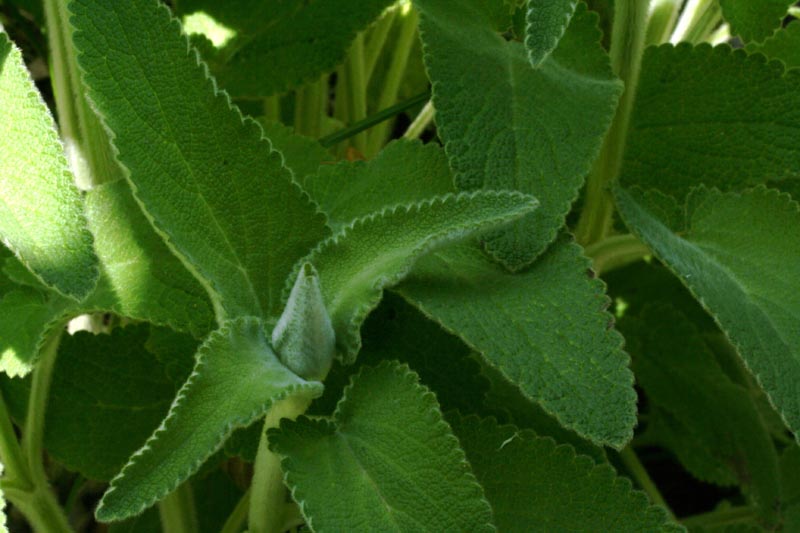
(546, 21)
(390, 451)
(205, 177)
(546, 330)
(740, 256)
(754, 21)
(712, 116)
(535, 485)
(508, 126)
(369, 254)
(302, 155)
(41, 212)
(236, 379)
(783, 45)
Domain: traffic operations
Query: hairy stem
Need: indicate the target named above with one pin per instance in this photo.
(642, 478)
(177, 510)
(627, 45)
(616, 252)
(267, 491)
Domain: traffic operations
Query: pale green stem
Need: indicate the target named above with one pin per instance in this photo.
(292, 517)
(642, 478)
(237, 518)
(663, 15)
(177, 510)
(357, 90)
(375, 41)
(40, 508)
(627, 45)
(267, 491)
(720, 35)
(421, 122)
(14, 463)
(695, 20)
(794, 11)
(721, 517)
(272, 107)
(616, 252)
(86, 142)
(394, 77)
(308, 108)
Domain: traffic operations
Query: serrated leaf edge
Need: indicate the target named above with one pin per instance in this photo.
(551, 46)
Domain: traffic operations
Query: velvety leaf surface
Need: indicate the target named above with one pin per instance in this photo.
(386, 462)
(535, 485)
(680, 375)
(369, 254)
(41, 212)
(403, 172)
(302, 155)
(546, 330)
(506, 125)
(205, 177)
(783, 45)
(754, 21)
(282, 44)
(546, 21)
(236, 379)
(141, 277)
(740, 256)
(712, 116)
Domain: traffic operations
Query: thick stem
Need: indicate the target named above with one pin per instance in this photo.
(308, 108)
(421, 122)
(642, 478)
(357, 105)
(177, 510)
(375, 41)
(616, 252)
(627, 45)
(267, 491)
(697, 20)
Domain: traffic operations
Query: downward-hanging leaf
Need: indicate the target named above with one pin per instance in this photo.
(754, 21)
(534, 485)
(506, 125)
(41, 212)
(369, 254)
(739, 254)
(546, 22)
(236, 379)
(546, 330)
(204, 175)
(386, 462)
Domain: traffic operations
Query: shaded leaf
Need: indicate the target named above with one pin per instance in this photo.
(754, 21)
(545, 24)
(783, 45)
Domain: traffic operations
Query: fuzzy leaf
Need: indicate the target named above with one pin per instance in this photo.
(141, 278)
(545, 24)
(280, 44)
(41, 212)
(546, 330)
(236, 379)
(506, 125)
(204, 176)
(694, 121)
(740, 256)
(390, 451)
(534, 485)
(783, 45)
(359, 261)
(401, 173)
(754, 21)
(302, 155)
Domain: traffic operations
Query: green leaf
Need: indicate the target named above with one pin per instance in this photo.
(754, 21)
(403, 172)
(739, 255)
(386, 462)
(712, 116)
(535, 485)
(3, 527)
(280, 45)
(718, 416)
(141, 278)
(790, 487)
(506, 125)
(546, 330)
(302, 155)
(236, 379)
(783, 45)
(545, 25)
(369, 254)
(41, 212)
(204, 176)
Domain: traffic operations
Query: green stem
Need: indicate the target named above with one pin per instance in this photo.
(177, 510)
(380, 116)
(642, 478)
(14, 462)
(615, 252)
(794, 11)
(421, 122)
(357, 106)
(663, 15)
(627, 45)
(267, 491)
(236, 519)
(720, 518)
(394, 77)
(377, 38)
(40, 508)
(698, 18)
(308, 108)
(272, 108)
